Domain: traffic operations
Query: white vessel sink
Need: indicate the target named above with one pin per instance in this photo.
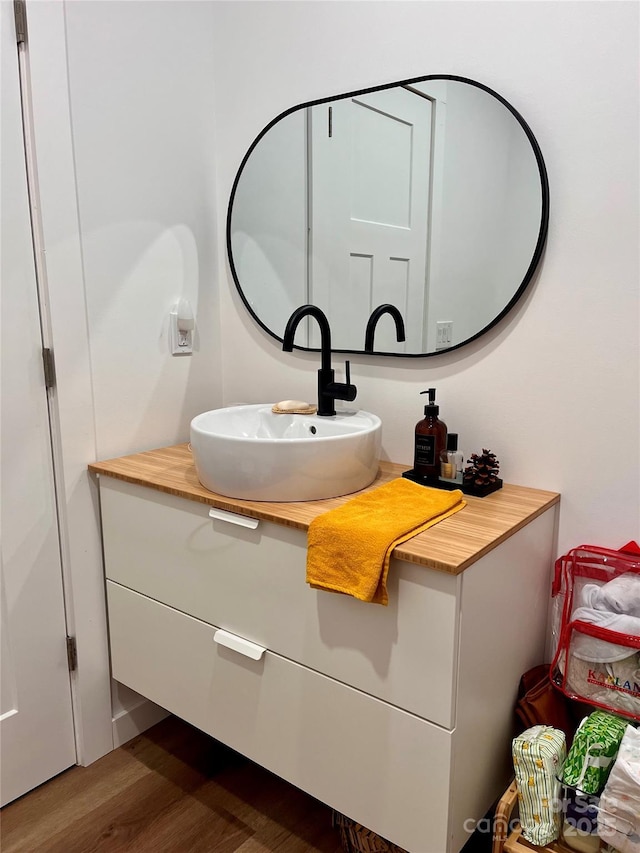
(251, 453)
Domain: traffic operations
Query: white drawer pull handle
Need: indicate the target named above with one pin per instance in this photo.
(234, 518)
(239, 644)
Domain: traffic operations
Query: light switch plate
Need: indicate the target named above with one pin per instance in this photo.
(444, 334)
(181, 342)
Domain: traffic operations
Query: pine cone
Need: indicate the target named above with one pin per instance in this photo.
(483, 469)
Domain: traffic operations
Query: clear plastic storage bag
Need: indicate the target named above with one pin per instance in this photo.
(596, 627)
(619, 818)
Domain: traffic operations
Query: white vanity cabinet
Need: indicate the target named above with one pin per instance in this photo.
(398, 716)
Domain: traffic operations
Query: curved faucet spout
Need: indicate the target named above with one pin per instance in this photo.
(325, 331)
(373, 322)
(328, 390)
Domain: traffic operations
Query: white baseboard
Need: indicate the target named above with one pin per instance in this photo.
(130, 722)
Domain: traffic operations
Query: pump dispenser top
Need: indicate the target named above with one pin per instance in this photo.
(430, 440)
(431, 408)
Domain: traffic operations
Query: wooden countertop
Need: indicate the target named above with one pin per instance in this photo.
(449, 546)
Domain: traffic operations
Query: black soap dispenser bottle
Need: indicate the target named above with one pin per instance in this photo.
(430, 441)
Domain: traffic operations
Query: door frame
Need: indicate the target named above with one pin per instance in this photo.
(63, 305)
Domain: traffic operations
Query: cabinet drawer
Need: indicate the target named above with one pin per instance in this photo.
(382, 766)
(252, 583)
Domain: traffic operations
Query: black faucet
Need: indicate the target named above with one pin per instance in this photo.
(373, 320)
(328, 390)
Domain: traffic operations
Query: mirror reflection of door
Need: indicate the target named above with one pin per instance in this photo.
(370, 163)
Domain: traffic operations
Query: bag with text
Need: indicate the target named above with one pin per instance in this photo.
(596, 627)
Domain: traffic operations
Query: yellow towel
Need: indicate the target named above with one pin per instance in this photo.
(349, 548)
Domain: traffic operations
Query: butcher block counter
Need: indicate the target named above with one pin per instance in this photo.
(450, 546)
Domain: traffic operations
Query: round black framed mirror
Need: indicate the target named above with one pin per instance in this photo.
(430, 195)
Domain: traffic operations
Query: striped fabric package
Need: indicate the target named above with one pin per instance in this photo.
(538, 756)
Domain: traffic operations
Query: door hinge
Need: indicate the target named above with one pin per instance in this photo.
(49, 368)
(72, 654)
(20, 16)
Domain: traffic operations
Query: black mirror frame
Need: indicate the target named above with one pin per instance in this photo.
(542, 233)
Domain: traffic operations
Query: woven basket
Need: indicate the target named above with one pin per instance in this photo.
(356, 838)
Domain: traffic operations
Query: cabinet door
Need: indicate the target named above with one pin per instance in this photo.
(382, 766)
(252, 582)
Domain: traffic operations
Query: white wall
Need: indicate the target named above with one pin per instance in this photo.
(124, 125)
(144, 155)
(554, 389)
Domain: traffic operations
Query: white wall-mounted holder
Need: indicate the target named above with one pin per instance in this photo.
(181, 328)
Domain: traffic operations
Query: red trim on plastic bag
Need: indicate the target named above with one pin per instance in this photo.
(600, 633)
(583, 562)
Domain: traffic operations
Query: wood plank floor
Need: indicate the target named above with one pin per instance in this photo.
(173, 789)
(170, 790)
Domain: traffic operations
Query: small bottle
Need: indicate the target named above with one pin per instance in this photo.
(451, 460)
(430, 440)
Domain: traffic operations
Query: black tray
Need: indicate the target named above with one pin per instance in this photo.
(435, 483)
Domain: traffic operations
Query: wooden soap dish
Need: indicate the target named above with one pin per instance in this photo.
(293, 407)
